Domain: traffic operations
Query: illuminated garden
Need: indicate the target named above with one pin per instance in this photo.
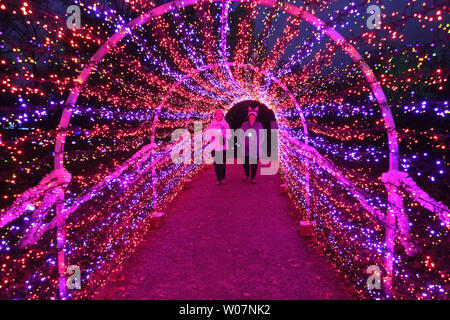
(87, 114)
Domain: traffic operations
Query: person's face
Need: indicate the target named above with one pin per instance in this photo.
(219, 116)
(251, 118)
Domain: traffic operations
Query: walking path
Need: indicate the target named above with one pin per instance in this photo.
(237, 241)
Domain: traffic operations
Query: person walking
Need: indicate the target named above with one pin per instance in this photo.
(218, 134)
(251, 140)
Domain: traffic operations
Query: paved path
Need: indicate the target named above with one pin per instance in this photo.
(238, 241)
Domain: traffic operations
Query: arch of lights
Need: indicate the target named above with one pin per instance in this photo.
(393, 180)
(293, 10)
(230, 64)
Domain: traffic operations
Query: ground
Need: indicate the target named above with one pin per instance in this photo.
(237, 241)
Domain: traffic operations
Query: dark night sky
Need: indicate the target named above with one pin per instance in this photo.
(413, 33)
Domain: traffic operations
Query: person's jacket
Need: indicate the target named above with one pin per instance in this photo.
(251, 139)
(218, 134)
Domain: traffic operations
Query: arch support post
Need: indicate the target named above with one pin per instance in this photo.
(187, 128)
(397, 225)
(153, 164)
(59, 207)
(389, 243)
(308, 193)
(60, 243)
(395, 210)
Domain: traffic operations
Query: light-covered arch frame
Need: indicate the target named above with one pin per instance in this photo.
(228, 65)
(288, 8)
(394, 199)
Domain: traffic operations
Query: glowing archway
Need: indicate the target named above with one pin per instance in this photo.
(393, 198)
(228, 65)
(288, 8)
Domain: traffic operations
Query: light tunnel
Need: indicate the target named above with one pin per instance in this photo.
(170, 67)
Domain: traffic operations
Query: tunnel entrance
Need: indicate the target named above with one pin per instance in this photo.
(238, 114)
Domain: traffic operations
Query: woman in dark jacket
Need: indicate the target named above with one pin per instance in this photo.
(251, 139)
